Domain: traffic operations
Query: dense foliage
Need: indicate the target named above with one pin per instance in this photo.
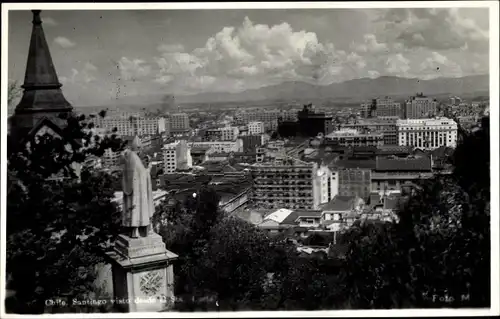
(59, 214)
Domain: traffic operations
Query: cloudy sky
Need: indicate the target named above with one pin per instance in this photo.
(100, 55)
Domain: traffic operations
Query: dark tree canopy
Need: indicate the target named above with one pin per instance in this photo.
(57, 219)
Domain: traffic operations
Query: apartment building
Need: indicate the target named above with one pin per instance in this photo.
(420, 106)
(255, 128)
(292, 184)
(352, 137)
(130, 125)
(176, 155)
(179, 122)
(427, 133)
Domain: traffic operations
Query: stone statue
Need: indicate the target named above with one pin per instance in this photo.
(138, 207)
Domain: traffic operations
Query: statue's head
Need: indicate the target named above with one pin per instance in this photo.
(135, 144)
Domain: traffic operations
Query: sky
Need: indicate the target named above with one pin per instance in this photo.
(101, 55)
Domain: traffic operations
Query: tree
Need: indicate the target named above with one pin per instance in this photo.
(438, 255)
(13, 92)
(57, 221)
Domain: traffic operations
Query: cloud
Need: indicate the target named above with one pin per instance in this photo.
(437, 64)
(65, 43)
(254, 54)
(84, 76)
(48, 21)
(397, 64)
(436, 29)
(370, 45)
(133, 69)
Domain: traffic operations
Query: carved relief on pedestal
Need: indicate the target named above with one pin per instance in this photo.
(151, 283)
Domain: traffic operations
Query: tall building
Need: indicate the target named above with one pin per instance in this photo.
(352, 137)
(381, 107)
(420, 106)
(255, 128)
(176, 155)
(42, 102)
(132, 125)
(387, 107)
(179, 122)
(354, 177)
(427, 133)
(292, 184)
(312, 123)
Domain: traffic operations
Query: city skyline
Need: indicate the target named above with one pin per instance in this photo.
(237, 50)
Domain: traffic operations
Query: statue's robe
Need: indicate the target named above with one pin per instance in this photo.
(138, 205)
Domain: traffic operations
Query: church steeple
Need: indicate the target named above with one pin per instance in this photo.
(42, 98)
(40, 71)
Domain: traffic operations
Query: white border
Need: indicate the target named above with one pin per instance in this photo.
(494, 117)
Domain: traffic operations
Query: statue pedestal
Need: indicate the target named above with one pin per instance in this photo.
(143, 275)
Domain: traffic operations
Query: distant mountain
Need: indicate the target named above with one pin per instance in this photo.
(352, 91)
(358, 89)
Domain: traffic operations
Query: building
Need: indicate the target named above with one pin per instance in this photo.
(292, 184)
(229, 133)
(312, 123)
(381, 107)
(355, 176)
(220, 146)
(132, 125)
(341, 212)
(176, 155)
(352, 137)
(42, 103)
(386, 126)
(252, 142)
(268, 117)
(256, 128)
(212, 134)
(179, 122)
(111, 160)
(394, 174)
(427, 133)
(420, 106)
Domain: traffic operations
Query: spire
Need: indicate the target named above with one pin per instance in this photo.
(42, 98)
(41, 85)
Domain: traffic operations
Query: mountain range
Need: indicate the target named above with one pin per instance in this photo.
(349, 91)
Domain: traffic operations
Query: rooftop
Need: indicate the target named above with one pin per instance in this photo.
(340, 203)
(391, 164)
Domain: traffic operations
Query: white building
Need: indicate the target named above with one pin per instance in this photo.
(176, 155)
(327, 184)
(256, 128)
(221, 146)
(129, 125)
(427, 133)
(229, 133)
